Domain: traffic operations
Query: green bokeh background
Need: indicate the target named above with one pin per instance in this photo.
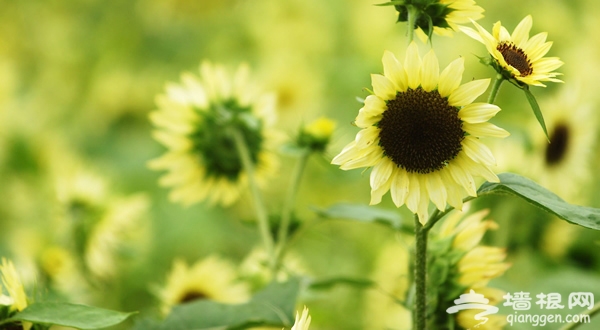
(86, 73)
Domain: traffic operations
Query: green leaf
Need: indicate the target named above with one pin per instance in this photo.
(362, 213)
(273, 306)
(516, 185)
(324, 284)
(536, 110)
(70, 315)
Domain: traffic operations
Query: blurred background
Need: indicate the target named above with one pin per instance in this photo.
(85, 220)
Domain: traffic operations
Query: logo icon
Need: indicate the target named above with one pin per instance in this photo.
(473, 300)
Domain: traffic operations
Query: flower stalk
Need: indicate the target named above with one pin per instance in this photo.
(288, 206)
(421, 236)
(420, 312)
(259, 207)
(495, 88)
(413, 13)
(574, 325)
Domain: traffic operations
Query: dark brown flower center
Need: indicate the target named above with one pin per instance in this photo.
(192, 296)
(559, 142)
(515, 57)
(420, 131)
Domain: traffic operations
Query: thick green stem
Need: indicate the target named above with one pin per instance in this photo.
(421, 232)
(574, 325)
(495, 88)
(420, 312)
(413, 14)
(288, 207)
(259, 208)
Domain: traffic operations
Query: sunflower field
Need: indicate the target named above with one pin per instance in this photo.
(299, 164)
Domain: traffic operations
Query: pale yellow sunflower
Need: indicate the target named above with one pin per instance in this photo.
(564, 165)
(13, 285)
(211, 278)
(477, 265)
(455, 13)
(302, 322)
(441, 17)
(517, 54)
(421, 134)
(197, 119)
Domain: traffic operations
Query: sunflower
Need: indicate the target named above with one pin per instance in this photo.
(439, 16)
(518, 56)
(420, 133)
(197, 121)
(302, 322)
(212, 278)
(469, 266)
(13, 285)
(563, 165)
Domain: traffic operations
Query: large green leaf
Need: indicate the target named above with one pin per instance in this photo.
(70, 315)
(363, 213)
(537, 195)
(273, 306)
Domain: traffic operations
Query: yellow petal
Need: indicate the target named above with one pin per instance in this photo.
(520, 34)
(436, 189)
(383, 87)
(393, 71)
(478, 151)
(412, 66)
(478, 112)
(381, 173)
(485, 129)
(450, 78)
(467, 93)
(414, 194)
(376, 194)
(400, 186)
(431, 72)
(463, 178)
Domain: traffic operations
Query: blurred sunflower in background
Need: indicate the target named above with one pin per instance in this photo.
(212, 278)
(198, 121)
(563, 164)
(420, 131)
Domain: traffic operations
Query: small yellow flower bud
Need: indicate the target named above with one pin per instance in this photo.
(315, 136)
(321, 128)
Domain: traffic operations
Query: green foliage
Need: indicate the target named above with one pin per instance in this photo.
(516, 185)
(363, 213)
(325, 284)
(273, 306)
(69, 315)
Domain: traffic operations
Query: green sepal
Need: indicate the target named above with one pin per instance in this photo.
(531, 192)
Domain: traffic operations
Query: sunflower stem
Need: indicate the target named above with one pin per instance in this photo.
(420, 312)
(495, 88)
(413, 13)
(288, 207)
(574, 325)
(259, 207)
